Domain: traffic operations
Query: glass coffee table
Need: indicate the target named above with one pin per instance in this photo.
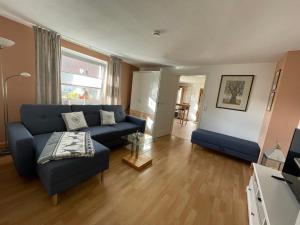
(139, 143)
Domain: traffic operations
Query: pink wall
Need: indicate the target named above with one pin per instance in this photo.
(281, 122)
(21, 57)
(268, 114)
(16, 59)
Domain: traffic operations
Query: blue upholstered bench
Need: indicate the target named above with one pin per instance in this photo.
(233, 146)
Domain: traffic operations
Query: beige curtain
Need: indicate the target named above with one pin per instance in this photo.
(48, 60)
(112, 90)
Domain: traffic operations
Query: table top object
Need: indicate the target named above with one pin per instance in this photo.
(140, 143)
(275, 154)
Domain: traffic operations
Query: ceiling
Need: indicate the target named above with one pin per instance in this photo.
(194, 32)
(192, 79)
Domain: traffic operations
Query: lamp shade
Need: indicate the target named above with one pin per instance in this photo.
(5, 43)
(299, 125)
(25, 74)
(275, 154)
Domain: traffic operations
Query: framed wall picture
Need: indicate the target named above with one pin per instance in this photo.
(273, 89)
(276, 80)
(270, 101)
(234, 92)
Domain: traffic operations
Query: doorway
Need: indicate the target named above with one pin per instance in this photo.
(189, 105)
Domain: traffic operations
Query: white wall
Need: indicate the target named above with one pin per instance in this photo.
(244, 125)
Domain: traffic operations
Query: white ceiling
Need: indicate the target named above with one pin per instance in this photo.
(195, 32)
(192, 79)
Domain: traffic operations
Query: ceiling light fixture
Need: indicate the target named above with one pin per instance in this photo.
(156, 33)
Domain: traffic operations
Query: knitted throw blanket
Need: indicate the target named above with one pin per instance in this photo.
(64, 145)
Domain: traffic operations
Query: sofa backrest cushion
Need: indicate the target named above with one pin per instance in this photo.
(120, 114)
(91, 113)
(40, 119)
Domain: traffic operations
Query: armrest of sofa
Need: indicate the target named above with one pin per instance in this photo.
(20, 143)
(137, 121)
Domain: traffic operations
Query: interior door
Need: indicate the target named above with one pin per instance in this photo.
(166, 100)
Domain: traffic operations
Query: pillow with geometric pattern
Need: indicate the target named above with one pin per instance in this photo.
(74, 121)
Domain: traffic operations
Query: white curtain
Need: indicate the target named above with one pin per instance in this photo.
(112, 90)
(48, 60)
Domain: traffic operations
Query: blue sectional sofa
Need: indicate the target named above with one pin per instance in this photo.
(243, 149)
(28, 138)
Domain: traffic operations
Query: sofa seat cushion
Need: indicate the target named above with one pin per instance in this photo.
(56, 175)
(126, 128)
(103, 133)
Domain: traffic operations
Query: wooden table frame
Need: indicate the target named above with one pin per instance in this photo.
(135, 159)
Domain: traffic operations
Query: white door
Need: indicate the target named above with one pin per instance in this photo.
(166, 100)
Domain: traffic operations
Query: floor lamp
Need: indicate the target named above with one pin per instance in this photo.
(5, 43)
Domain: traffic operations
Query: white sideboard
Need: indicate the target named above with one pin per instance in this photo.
(270, 201)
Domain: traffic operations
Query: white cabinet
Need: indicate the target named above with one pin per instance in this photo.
(145, 86)
(270, 201)
(153, 98)
(166, 100)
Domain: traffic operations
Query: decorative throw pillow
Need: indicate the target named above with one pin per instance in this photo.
(120, 114)
(107, 118)
(74, 121)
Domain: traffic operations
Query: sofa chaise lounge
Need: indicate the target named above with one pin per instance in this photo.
(240, 148)
(27, 139)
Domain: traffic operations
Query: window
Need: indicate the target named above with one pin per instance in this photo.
(82, 79)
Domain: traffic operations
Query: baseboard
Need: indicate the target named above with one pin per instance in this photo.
(2, 144)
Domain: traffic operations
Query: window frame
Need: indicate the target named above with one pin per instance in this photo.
(85, 58)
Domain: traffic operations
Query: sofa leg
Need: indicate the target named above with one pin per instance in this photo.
(54, 199)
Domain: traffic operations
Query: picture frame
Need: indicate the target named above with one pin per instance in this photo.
(276, 80)
(271, 100)
(234, 92)
(273, 89)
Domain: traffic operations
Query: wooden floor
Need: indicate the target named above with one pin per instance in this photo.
(182, 187)
(183, 131)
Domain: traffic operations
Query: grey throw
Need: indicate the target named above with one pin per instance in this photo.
(63, 145)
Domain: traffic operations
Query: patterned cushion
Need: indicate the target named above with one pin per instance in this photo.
(74, 121)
